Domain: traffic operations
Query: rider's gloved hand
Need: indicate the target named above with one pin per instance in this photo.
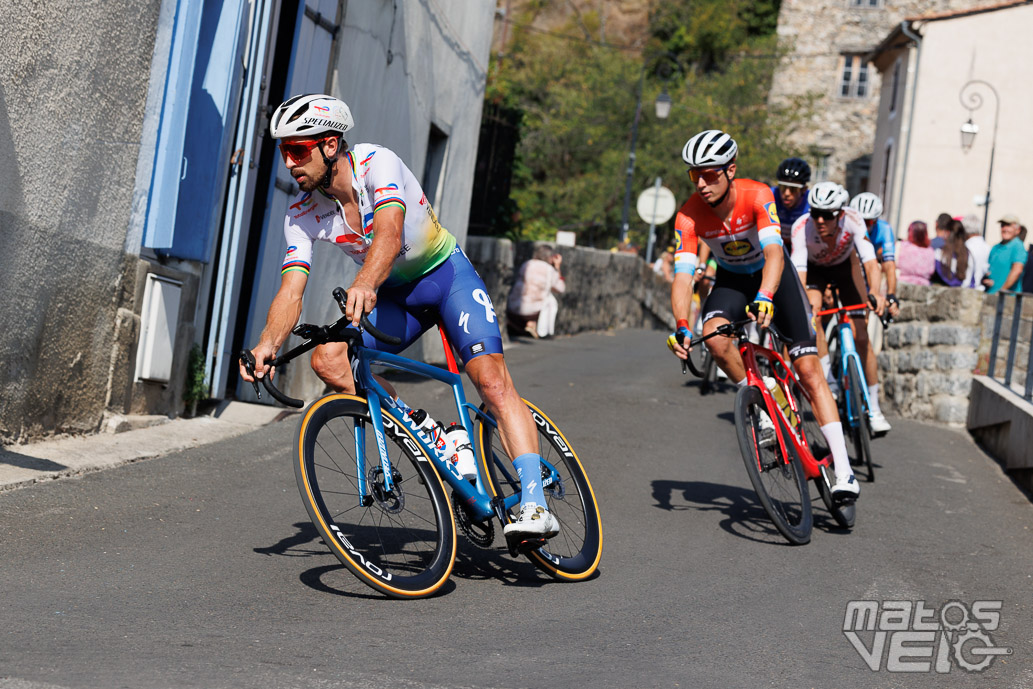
(763, 307)
(894, 305)
(680, 339)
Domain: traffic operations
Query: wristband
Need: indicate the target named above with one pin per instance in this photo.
(681, 323)
(892, 298)
(764, 296)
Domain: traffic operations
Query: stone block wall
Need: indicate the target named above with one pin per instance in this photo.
(929, 354)
(1022, 339)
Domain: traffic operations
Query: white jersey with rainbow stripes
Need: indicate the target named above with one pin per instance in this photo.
(381, 180)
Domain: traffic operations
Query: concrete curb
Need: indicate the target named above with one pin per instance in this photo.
(25, 465)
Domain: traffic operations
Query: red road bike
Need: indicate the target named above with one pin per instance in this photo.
(781, 459)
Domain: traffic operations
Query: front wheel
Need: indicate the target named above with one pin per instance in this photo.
(860, 425)
(574, 553)
(843, 514)
(399, 540)
(778, 480)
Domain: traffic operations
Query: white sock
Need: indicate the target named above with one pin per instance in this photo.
(873, 398)
(833, 433)
(825, 366)
(741, 383)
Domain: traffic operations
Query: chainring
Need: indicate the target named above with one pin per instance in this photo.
(481, 534)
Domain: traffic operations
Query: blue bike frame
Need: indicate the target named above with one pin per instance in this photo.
(475, 496)
(848, 351)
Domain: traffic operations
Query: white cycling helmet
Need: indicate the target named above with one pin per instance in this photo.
(869, 205)
(827, 196)
(710, 148)
(309, 115)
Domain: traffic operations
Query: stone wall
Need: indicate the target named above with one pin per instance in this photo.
(929, 353)
(603, 289)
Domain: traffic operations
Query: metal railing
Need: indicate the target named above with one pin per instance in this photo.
(1013, 340)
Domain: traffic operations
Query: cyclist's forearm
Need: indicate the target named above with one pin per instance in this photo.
(774, 261)
(889, 269)
(284, 313)
(681, 296)
(874, 274)
(387, 243)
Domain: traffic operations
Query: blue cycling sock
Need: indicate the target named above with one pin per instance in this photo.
(531, 490)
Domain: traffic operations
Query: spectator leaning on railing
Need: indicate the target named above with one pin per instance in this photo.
(1007, 259)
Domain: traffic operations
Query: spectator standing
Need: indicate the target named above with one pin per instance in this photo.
(977, 246)
(954, 264)
(916, 260)
(531, 307)
(1007, 259)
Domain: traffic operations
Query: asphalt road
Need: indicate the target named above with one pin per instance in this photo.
(200, 569)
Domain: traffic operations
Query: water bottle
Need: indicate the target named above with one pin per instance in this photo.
(434, 432)
(465, 462)
(780, 399)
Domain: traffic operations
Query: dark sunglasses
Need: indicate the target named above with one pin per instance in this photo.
(298, 150)
(820, 214)
(709, 175)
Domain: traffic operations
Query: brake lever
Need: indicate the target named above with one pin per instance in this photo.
(248, 359)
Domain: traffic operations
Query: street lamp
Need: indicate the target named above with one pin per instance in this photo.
(663, 109)
(972, 100)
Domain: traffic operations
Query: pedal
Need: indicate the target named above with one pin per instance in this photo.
(520, 545)
(844, 500)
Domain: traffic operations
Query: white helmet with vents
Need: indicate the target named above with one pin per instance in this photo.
(310, 114)
(828, 196)
(710, 148)
(869, 205)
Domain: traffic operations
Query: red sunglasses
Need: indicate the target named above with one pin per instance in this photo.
(709, 175)
(298, 151)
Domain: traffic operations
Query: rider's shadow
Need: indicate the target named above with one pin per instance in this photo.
(743, 514)
(332, 578)
(473, 562)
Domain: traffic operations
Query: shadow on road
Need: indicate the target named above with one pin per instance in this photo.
(25, 462)
(744, 516)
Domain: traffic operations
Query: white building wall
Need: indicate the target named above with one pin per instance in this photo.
(940, 176)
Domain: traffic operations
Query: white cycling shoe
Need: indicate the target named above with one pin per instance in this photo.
(767, 430)
(846, 490)
(534, 522)
(880, 426)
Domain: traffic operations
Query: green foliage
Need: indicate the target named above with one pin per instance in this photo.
(715, 59)
(195, 390)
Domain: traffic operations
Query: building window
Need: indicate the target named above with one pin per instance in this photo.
(887, 178)
(434, 166)
(895, 86)
(853, 82)
(865, 4)
(821, 166)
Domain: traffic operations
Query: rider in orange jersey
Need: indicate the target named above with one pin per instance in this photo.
(737, 220)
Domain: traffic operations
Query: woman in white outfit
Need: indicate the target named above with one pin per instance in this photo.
(531, 307)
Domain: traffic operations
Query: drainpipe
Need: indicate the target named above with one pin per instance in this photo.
(910, 122)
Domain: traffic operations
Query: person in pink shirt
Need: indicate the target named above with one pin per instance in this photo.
(916, 259)
(531, 307)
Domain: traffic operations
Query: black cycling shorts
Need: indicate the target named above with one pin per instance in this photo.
(733, 292)
(849, 278)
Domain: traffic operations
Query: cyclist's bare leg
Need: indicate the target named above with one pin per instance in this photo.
(331, 363)
(725, 351)
(812, 378)
(866, 352)
(517, 430)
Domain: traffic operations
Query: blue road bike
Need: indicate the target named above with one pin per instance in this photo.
(374, 482)
(854, 403)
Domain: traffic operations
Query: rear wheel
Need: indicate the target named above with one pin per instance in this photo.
(860, 426)
(709, 380)
(778, 480)
(402, 541)
(574, 553)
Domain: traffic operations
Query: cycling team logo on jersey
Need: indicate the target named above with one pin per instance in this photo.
(737, 248)
(772, 212)
(304, 202)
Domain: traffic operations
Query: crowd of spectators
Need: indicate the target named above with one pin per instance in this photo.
(958, 256)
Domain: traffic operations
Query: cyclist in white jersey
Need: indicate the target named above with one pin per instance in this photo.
(831, 244)
(366, 201)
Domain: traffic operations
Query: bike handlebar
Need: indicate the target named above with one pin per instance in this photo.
(338, 331)
(732, 329)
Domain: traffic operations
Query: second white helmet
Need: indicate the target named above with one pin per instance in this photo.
(827, 196)
(310, 114)
(869, 205)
